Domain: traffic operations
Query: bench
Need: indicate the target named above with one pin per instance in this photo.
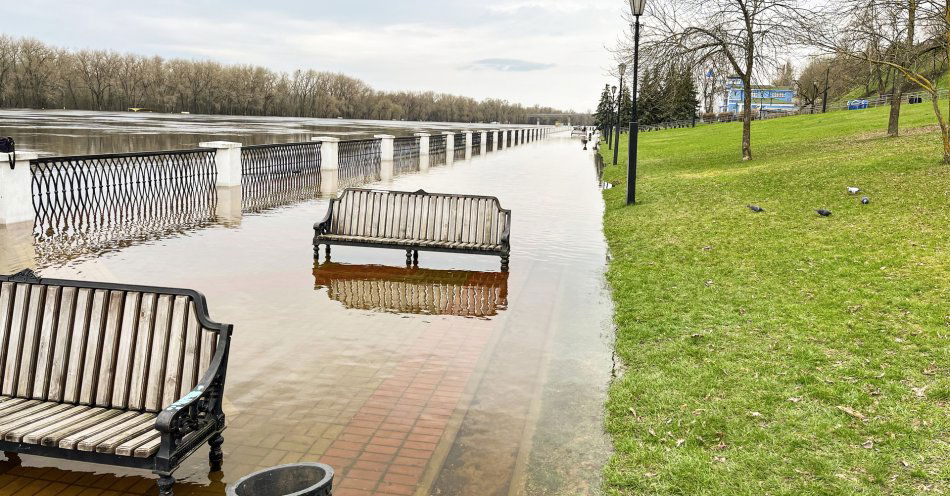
(110, 373)
(415, 221)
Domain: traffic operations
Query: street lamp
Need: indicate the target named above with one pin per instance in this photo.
(636, 8)
(610, 117)
(622, 67)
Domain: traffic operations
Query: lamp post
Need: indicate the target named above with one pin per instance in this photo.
(622, 67)
(610, 117)
(636, 8)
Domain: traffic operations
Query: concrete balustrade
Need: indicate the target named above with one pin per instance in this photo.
(386, 144)
(227, 161)
(329, 163)
(482, 143)
(449, 147)
(423, 151)
(16, 188)
(468, 145)
(503, 142)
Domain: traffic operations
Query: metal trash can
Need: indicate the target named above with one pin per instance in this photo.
(294, 479)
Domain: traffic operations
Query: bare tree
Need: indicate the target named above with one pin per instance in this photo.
(748, 34)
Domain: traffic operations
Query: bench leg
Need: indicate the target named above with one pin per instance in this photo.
(316, 252)
(165, 484)
(408, 257)
(215, 455)
(415, 257)
(504, 263)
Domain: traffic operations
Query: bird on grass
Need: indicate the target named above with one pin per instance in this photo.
(756, 208)
(853, 190)
(865, 200)
(822, 212)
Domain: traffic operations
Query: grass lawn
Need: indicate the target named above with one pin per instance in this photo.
(783, 352)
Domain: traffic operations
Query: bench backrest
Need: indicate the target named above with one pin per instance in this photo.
(114, 346)
(419, 215)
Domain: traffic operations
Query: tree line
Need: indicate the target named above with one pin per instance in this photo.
(36, 75)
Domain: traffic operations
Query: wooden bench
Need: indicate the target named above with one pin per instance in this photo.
(415, 221)
(110, 373)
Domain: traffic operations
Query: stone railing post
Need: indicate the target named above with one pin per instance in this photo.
(503, 142)
(423, 151)
(468, 145)
(449, 147)
(482, 143)
(227, 161)
(329, 164)
(495, 137)
(16, 188)
(386, 143)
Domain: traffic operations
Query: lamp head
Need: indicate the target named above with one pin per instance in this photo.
(622, 67)
(637, 7)
(613, 89)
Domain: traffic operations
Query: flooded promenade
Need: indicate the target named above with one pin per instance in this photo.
(453, 378)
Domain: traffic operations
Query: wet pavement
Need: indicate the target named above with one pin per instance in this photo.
(453, 378)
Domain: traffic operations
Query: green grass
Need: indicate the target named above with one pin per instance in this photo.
(748, 338)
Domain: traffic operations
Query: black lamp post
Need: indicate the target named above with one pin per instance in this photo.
(610, 117)
(622, 67)
(636, 8)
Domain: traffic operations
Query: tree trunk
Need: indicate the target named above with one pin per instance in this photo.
(747, 119)
(893, 120)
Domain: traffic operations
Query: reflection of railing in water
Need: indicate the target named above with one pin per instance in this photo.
(490, 141)
(279, 174)
(405, 154)
(414, 290)
(94, 203)
(476, 143)
(359, 162)
(459, 153)
(437, 150)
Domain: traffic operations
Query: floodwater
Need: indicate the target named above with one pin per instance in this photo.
(452, 378)
(78, 132)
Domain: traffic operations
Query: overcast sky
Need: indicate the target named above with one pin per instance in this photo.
(548, 52)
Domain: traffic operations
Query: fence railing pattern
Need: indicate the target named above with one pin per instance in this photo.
(359, 162)
(490, 141)
(476, 143)
(279, 174)
(405, 154)
(91, 203)
(459, 142)
(437, 150)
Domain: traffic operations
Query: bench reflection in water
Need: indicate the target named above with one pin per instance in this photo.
(413, 290)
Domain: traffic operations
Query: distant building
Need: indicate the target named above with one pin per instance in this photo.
(765, 98)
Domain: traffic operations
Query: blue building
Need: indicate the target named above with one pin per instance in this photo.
(765, 98)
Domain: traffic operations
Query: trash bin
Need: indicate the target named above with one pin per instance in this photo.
(294, 479)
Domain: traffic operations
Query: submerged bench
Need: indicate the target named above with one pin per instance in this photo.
(415, 221)
(110, 373)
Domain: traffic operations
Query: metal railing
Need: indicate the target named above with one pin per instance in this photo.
(476, 143)
(359, 162)
(490, 141)
(459, 141)
(279, 174)
(91, 203)
(405, 154)
(437, 150)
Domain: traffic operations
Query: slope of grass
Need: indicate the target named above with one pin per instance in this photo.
(782, 352)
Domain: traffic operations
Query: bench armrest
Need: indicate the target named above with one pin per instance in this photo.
(323, 226)
(506, 234)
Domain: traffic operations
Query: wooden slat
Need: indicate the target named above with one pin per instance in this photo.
(68, 425)
(31, 335)
(46, 348)
(190, 370)
(176, 348)
(105, 442)
(156, 366)
(71, 440)
(26, 409)
(15, 404)
(90, 365)
(148, 449)
(208, 344)
(7, 303)
(14, 342)
(68, 416)
(127, 448)
(77, 345)
(126, 350)
(142, 355)
(44, 410)
(110, 348)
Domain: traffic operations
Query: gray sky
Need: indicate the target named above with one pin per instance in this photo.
(548, 52)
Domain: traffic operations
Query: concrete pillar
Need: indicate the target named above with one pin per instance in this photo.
(449, 147)
(468, 145)
(504, 139)
(423, 151)
(482, 143)
(227, 159)
(386, 143)
(16, 188)
(17, 251)
(496, 136)
(329, 164)
(229, 209)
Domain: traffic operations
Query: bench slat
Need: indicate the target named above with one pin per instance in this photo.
(63, 418)
(90, 366)
(156, 368)
(142, 353)
(105, 442)
(147, 449)
(127, 448)
(125, 351)
(31, 334)
(43, 410)
(46, 349)
(191, 366)
(110, 348)
(72, 440)
(13, 343)
(77, 347)
(64, 326)
(171, 384)
(52, 435)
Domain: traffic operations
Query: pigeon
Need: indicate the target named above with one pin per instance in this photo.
(865, 200)
(756, 208)
(822, 212)
(853, 190)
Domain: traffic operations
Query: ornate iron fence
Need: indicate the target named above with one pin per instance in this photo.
(490, 141)
(405, 154)
(359, 162)
(92, 203)
(279, 174)
(476, 143)
(459, 152)
(437, 150)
